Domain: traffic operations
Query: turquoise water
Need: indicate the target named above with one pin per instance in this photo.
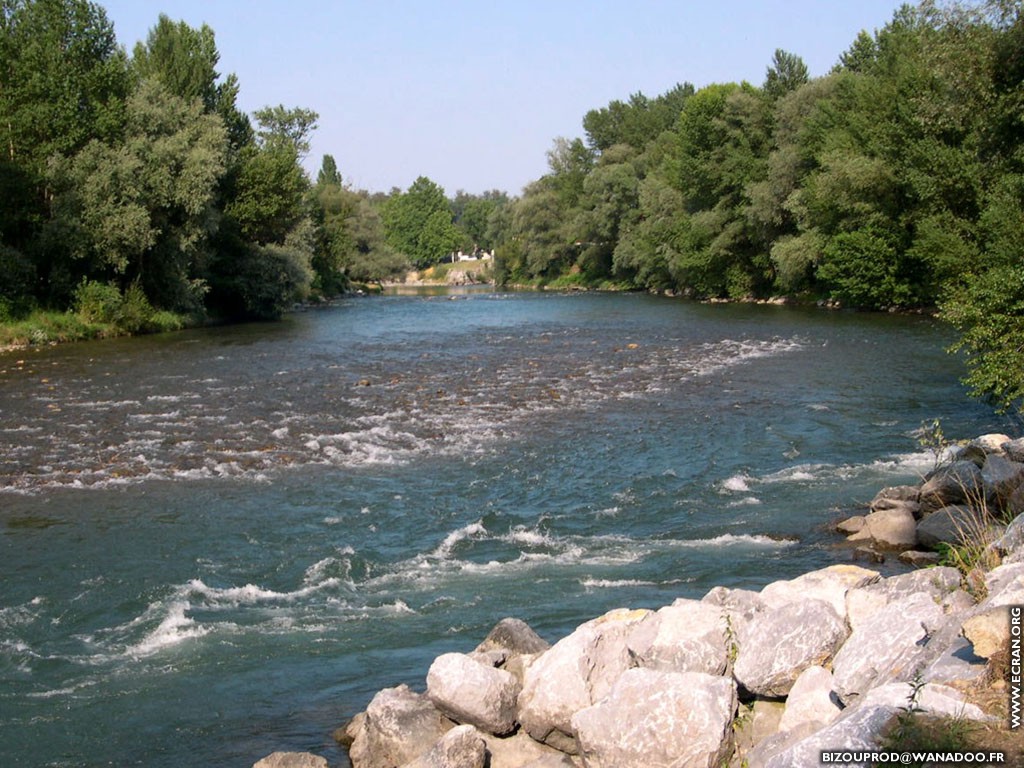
(220, 543)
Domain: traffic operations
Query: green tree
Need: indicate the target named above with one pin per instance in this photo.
(371, 259)
(280, 125)
(141, 210)
(786, 73)
(473, 212)
(418, 223)
(63, 79)
(636, 122)
(267, 199)
(181, 58)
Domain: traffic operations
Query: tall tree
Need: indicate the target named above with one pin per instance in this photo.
(290, 126)
(418, 223)
(140, 210)
(181, 58)
(63, 79)
(786, 73)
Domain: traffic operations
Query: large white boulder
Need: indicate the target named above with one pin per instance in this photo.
(687, 636)
(291, 760)
(576, 672)
(882, 646)
(470, 692)
(780, 643)
(811, 700)
(654, 718)
(462, 747)
(399, 725)
(828, 584)
(864, 602)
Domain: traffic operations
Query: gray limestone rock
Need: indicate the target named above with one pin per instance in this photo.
(291, 760)
(893, 528)
(776, 646)
(520, 751)
(954, 483)
(881, 648)
(859, 729)
(1002, 478)
(399, 725)
(654, 718)
(576, 672)
(470, 692)
(948, 525)
(514, 636)
(1014, 449)
(988, 631)
(811, 700)
(828, 584)
(687, 636)
(461, 747)
(865, 601)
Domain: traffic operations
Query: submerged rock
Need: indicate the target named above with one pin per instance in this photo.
(291, 760)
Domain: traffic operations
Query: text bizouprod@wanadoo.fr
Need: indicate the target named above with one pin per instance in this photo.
(850, 756)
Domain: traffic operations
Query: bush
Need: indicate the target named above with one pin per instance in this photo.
(97, 302)
(129, 312)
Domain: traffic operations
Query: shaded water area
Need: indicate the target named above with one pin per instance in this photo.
(219, 543)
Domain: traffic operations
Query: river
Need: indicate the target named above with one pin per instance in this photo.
(219, 543)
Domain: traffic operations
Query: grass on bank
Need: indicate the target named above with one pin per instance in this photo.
(99, 310)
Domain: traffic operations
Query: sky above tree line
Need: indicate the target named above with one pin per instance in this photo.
(473, 94)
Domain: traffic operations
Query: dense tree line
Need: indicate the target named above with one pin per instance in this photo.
(895, 181)
(134, 191)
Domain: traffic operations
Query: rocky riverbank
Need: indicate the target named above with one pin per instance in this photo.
(835, 659)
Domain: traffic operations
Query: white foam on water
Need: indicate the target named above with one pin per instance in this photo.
(748, 501)
(20, 615)
(175, 628)
(737, 483)
(452, 540)
(735, 540)
(528, 537)
(251, 594)
(614, 583)
(720, 355)
(62, 692)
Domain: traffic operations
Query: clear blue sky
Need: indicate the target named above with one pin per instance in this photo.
(472, 93)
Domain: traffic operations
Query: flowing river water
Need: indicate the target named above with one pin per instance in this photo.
(219, 543)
